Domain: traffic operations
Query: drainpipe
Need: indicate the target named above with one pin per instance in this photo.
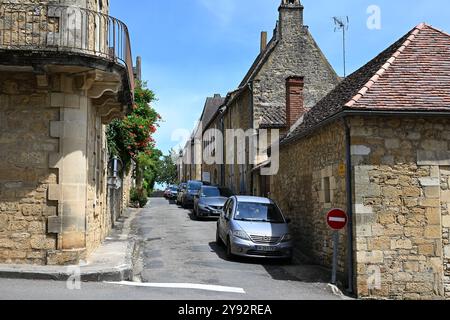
(349, 190)
(252, 119)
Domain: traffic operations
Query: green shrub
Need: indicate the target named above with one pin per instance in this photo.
(138, 198)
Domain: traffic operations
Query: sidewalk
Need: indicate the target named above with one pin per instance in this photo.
(112, 261)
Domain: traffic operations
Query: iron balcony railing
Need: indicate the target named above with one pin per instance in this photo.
(62, 28)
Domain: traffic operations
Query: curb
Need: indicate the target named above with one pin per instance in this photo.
(89, 273)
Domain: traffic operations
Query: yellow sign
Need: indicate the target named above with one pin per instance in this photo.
(342, 170)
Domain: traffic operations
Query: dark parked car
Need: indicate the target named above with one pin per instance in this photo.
(192, 188)
(166, 193)
(173, 193)
(210, 200)
(181, 190)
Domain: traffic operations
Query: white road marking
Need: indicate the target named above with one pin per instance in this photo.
(181, 286)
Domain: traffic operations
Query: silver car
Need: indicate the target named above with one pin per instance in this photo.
(254, 227)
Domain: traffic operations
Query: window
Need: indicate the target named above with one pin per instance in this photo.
(327, 190)
(258, 212)
(229, 212)
(225, 210)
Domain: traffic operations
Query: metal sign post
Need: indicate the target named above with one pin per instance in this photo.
(337, 220)
(335, 257)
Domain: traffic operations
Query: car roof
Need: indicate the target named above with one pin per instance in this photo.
(253, 199)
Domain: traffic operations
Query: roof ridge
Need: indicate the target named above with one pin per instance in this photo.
(436, 29)
(412, 35)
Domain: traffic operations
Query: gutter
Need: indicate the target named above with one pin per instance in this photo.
(349, 191)
(252, 119)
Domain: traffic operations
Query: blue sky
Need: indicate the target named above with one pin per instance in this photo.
(192, 49)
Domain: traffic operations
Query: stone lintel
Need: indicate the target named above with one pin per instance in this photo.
(433, 158)
(54, 225)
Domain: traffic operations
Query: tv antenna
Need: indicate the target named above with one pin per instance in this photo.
(342, 23)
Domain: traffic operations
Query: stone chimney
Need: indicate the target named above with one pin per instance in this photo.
(291, 18)
(294, 100)
(263, 41)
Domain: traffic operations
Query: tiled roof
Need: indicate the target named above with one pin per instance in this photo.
(411, 75)
(274, 117)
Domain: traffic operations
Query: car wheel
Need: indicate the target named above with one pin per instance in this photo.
(219, 241)
(230, 255)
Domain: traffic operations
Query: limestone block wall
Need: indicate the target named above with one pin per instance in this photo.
(53, 207)
(98, 219)
(127, 185)
(401, 206)
(310, 183)
(25, 174)
(238, 117)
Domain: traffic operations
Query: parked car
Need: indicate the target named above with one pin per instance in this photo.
(210, 200)
(254, 227)
(166, 193)
(192, 188)
(173, 193)
(181, 189)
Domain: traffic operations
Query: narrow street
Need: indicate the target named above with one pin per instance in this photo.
(179, 260)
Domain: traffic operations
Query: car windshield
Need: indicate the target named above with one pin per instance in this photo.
(216, 192)
(258, 212)
(194, 185)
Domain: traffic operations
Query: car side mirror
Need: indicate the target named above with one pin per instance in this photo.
(288, 220)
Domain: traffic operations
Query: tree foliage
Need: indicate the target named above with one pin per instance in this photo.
(132, 136)
(167, 169)
(132, 140)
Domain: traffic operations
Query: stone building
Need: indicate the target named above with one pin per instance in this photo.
(378, 147)
(260, 100)
(192, 158)
(65, 72)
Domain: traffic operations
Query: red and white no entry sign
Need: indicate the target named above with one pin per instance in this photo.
(337, 219)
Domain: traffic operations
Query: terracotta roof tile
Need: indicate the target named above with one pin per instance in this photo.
(411, 75)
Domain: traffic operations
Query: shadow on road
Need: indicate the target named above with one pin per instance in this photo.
(279, 270)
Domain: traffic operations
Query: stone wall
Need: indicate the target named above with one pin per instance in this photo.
(25, 175)
(310, 183)
(127, 186)
(53, 207)
(238, 116)
(401, 206)
(213, 148)
(98, 219)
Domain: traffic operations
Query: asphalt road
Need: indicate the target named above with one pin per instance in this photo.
(179, 260)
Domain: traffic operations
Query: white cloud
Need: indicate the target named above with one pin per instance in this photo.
(223, 10)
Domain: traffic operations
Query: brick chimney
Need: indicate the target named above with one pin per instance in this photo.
(294, 100)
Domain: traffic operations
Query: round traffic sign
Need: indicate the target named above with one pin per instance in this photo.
(337, 219)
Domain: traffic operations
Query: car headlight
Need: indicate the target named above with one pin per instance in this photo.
(287, 237)
(241, 235)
